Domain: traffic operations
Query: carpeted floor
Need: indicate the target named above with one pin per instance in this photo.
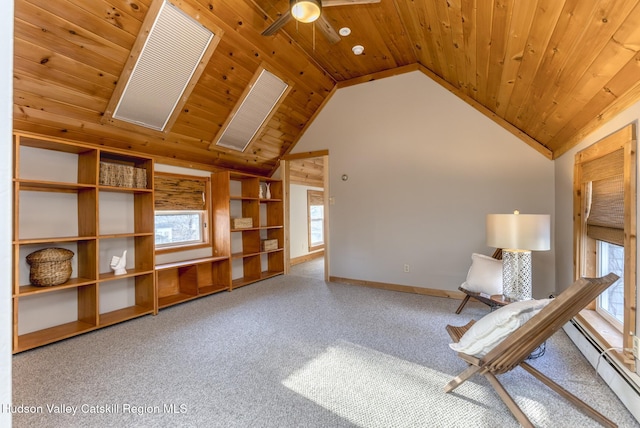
(292, 351)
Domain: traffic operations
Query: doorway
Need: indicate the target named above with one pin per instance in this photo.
(307, 214)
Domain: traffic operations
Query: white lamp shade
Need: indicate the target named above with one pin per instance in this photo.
(519, 231)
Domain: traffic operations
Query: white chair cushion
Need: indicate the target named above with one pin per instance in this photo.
(484, 276)
(494, 327)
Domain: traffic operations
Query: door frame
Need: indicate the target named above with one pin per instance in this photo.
(285, 164)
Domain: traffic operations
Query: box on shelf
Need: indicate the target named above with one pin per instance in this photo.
(139, 178)
(242, 223)
(119, 175)
(107, 174)
(269, 244)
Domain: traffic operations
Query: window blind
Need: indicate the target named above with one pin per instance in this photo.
(315, 197)
(179, 193)
(605, 206)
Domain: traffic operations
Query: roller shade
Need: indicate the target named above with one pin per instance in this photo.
(605, 198)
(315, 197)
(179, 193)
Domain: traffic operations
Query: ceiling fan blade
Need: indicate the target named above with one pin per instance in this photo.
(277, 24)
(327, 29)
(331, 3)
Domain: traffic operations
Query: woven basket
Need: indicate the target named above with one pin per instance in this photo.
(51, 266)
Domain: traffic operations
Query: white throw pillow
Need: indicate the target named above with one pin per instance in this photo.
(485, 275)
(494, 327)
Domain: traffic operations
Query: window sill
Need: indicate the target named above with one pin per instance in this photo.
(182, 248)
(606, 334)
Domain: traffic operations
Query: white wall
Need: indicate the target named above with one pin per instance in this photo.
(6, 222)
(424, 170)
(298, 220)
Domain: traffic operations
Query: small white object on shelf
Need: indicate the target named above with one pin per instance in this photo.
(118, 264)
(268, 186)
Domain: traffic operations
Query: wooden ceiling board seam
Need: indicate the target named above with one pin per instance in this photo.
(70, 32)
(198, 107)
(306, 167)
(413, 25)
(29, 55)
(398, 43)
(522, 18)
(587, 49)
(468, 10)
(450, 69)
(566, 36)
(574, 90)
(78, 18)
(500, 32)
(125, 19)
(66, 96)
(546, 17)
(58, 77)
(33, 34)
(48, 105)
(484, 15)
(190, 129)
(454, 12)
(616, 96)
(385, 42)
(435, 30)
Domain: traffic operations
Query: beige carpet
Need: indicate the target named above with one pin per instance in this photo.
(292, 351)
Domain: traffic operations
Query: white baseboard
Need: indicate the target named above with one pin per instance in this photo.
(623, 382)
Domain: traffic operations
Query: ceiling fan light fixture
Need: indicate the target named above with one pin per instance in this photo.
(305, 10)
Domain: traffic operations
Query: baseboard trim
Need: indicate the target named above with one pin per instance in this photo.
(398, 287)
(307, 257)
(616, 375)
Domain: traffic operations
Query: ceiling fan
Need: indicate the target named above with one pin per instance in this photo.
(307, 11)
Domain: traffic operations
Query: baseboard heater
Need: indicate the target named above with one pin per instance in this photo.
(606, 357)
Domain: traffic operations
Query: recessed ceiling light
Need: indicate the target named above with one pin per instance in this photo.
(344, 31)
(358, 49)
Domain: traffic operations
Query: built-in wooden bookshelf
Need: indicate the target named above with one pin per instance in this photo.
(239, 195)
(185, 280)
(59, 201)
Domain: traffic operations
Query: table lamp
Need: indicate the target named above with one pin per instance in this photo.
(518, 234)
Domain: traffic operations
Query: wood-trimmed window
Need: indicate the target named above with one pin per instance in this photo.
(315, 219)
(605, 213)
(182, 214)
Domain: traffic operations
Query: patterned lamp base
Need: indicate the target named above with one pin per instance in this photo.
(516, 274)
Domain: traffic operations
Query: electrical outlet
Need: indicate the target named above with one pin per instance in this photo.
(406, 268)
(636, 347)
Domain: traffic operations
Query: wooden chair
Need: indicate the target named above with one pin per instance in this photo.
(497, 254)
(512, 352)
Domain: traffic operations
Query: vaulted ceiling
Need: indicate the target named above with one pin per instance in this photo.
(549, 71)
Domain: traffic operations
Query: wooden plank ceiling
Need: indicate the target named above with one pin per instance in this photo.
(550, 71)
